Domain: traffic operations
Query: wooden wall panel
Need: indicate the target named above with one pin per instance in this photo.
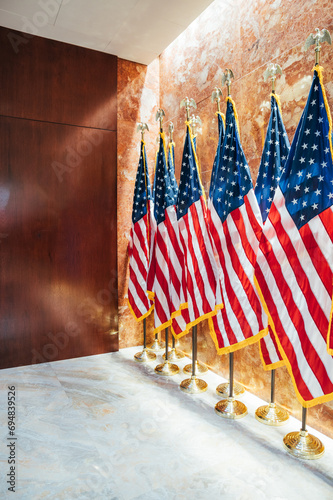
(53, 81)
(58, 215)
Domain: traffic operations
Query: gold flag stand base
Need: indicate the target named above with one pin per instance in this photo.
(224, 389)
(144, 356)
(199, 368)
(272, 414)
(231, 408)
(167, 369)
(303, 445)
(174, 355)
(193, 385)
(156, 346)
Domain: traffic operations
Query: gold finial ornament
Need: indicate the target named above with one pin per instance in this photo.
(143, 127)
(171, 129)
(159, 117)
(187, 104)
(226, 79)
(196, 124)
(316, 39)
(216, 97)
(271, 72)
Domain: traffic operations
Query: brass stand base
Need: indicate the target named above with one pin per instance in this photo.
(167, 369)
(199, 368)
(174, 355)
(231, 408)
(144, 356)
(272, 414)
(193, 385)
(303, 445)
(224, 390)
(156, 346)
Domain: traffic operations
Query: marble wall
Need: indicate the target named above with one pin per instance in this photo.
(138, 100)
(243, 35)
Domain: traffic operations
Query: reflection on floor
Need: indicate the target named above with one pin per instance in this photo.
(105, 427)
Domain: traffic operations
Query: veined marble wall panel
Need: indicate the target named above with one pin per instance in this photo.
(138, 100)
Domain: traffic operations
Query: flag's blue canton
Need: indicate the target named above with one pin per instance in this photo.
(273, 159)
(142, 191)
(233, 179)
(195, 142)
(307, 178)
(164, 195)
(189, 190)
(218, 153)
(171, 165)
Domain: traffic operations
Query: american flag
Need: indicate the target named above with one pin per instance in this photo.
(166, 263)
(235, 228)
(274, 156)
(138, 248)
(295, 258)
(201, 286)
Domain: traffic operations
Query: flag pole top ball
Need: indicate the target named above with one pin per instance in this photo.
(226, 79)
(142, 127)
(216, 96)
(317, 38)
(187, 103)
(159, 117)
(271, 72)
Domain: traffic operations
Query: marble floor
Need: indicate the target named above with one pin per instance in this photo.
(105, 427)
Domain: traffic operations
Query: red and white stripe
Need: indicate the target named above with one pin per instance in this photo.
(270, 353)
(138, 250)
(236, 242)
(201, 285)
(165, 271)
(294, 272)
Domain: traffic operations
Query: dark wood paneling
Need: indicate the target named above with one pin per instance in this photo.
(58, 210)
(58, 242)
(46, 80)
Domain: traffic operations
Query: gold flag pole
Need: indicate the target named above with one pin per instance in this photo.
(302, 444)
(144, 356)
(272, 414)
(174, 354)
(315, 39)
(226, 79)
(187, 104)
(200, 368)
(230, 407)
(216, 97)
(165, 368)
(171, 130)
(223, 389)
(196, 125)
(192, 385)
(158, 345)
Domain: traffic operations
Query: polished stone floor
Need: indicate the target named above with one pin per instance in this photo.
(105, 427)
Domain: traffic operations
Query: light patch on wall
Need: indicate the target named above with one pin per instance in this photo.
(202, 78)
(148, 102)
(299, 90)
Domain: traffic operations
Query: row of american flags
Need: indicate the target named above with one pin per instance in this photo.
(257, 262)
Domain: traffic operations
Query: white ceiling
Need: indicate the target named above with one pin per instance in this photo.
(137, 30)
